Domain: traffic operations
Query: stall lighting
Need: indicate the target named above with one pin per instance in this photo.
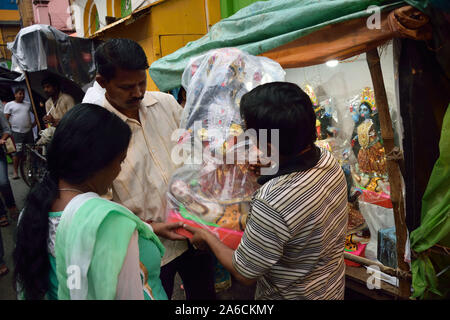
(332, 63)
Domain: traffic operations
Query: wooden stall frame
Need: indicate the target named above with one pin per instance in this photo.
(32, 100)
(402, 272)
(395, 177)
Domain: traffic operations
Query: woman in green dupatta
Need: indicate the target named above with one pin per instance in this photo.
(73, 244)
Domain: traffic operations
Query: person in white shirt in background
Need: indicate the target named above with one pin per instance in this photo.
(7, 203)
(58, 102)
(17, 112)
(95, 95)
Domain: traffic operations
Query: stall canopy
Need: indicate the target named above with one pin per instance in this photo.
(41, 50)
(279, 29)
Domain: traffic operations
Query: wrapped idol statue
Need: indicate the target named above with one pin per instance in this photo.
(214, 191)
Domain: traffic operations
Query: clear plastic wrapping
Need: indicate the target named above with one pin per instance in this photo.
(377, 218)
(330, 135)
(363, 160)
(42, 47)
(361, 154)
(215, 83)
(215, 191)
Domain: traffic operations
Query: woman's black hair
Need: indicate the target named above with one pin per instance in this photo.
(86, 140)
(283, 106)
(119, 53)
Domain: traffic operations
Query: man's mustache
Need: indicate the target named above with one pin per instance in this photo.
(135, 100)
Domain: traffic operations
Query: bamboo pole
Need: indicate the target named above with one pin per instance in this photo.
(30, 94)
(388, 270)
(395, 178)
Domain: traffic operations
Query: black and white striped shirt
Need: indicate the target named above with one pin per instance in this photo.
(295, 235)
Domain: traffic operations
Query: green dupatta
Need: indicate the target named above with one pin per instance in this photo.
(91, 244)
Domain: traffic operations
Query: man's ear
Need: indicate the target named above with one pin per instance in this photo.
(101, 80)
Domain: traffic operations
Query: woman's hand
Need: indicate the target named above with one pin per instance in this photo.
(199, 238)
(167, 230)
(204, 239)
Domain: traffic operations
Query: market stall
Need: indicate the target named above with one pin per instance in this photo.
(358, 121)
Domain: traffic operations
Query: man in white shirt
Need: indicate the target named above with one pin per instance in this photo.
(143, 182)
(17, 112)
(58, 102)
(95, 95)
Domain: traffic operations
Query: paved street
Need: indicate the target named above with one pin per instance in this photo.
(20, 190)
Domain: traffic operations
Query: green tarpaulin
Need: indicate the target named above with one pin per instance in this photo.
(230, 7)
(265, 25)
(435, 226)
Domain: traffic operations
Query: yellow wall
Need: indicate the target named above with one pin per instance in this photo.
(214, 12)
(138, 31)
(7, 34)
(169, 26)
(171, 43)
(109, 8)
(86, 18)
(92, 22)
(117, 8)
(190, 18)
(2, 48)
(9, 15)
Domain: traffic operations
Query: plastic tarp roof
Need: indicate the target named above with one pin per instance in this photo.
(44, 50)
(8, 74)
(264, 26)
(7, 82)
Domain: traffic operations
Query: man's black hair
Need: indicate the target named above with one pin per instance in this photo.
(119, 53)
(51, 81)
(19, 89)
(180, 97)
(283, 106)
